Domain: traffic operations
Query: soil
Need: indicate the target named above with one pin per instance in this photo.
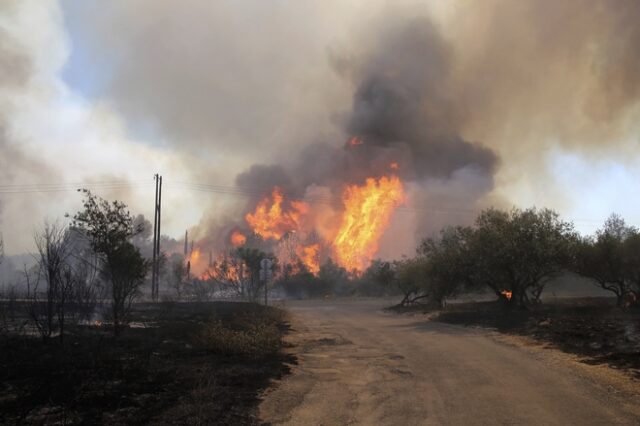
(153, 373)
(360, 365)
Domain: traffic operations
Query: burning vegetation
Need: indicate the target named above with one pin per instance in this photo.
(367, 213)
(305, 233)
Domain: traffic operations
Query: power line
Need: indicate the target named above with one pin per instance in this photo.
(70, 186)
(240, 191)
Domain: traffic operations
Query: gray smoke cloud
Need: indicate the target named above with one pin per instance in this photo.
(465, 99)
(16, 163)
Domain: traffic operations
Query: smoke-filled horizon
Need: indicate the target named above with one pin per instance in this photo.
(501, 103)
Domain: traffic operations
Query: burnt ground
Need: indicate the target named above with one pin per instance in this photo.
(593, 328)
(164, 373)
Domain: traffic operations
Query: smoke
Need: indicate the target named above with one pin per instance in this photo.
(531, 74)
(403, 101)
(53, 141)
(18, 70)
(467, 98)
(402, 112)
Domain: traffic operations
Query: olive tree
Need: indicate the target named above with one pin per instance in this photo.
(519, 251)
(410, 278)
(110, 227)
(447, 264)
(611, 258)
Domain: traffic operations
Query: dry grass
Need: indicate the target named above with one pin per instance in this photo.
(250, 334)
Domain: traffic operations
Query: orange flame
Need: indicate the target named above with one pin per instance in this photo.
(394, 166)
(507, 294)
(354, 141)
(238, 238)
(226, 270)
(194, 256)
(309, 255)
(368, 211)
(270, 220)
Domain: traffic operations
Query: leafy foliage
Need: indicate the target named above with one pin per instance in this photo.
(519, 251)
(110, 227)
(611, 258)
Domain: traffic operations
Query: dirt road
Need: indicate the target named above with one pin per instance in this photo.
(360, 365)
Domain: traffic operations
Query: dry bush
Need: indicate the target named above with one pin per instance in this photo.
(252, 334)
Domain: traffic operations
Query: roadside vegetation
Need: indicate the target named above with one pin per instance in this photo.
(79, 345)
(511, 255)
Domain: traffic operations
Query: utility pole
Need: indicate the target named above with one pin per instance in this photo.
(155, 267)
(155, 233)
(186, 242)
(158, 239)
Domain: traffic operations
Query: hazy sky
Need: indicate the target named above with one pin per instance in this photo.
(516, 102)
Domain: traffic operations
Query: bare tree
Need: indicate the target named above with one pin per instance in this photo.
(229, 273)
(88, 291)
(178, 275)
(47, 306)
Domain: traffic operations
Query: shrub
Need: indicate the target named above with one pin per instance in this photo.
(251, 334)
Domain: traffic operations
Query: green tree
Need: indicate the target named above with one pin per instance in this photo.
(448, 269)
(519, 251)
(610, 258)
(110, 227)
(410, 279)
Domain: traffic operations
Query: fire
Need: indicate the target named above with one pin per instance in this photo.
(354, 141)
(226, 270)
(309, 255)
(507, 294)
(271, 221)
(368, 211)
(194, 257)
(394, 166)
(238, 238)
(354, 234)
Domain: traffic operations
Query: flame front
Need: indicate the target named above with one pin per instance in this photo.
(368, 211)
(507, 294)
(270, 221)
(310, 256)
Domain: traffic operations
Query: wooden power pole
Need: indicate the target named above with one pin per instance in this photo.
(155, 233)
(155, 266)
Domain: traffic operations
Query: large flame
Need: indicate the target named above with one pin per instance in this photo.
(271, 221)
(368, 210)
